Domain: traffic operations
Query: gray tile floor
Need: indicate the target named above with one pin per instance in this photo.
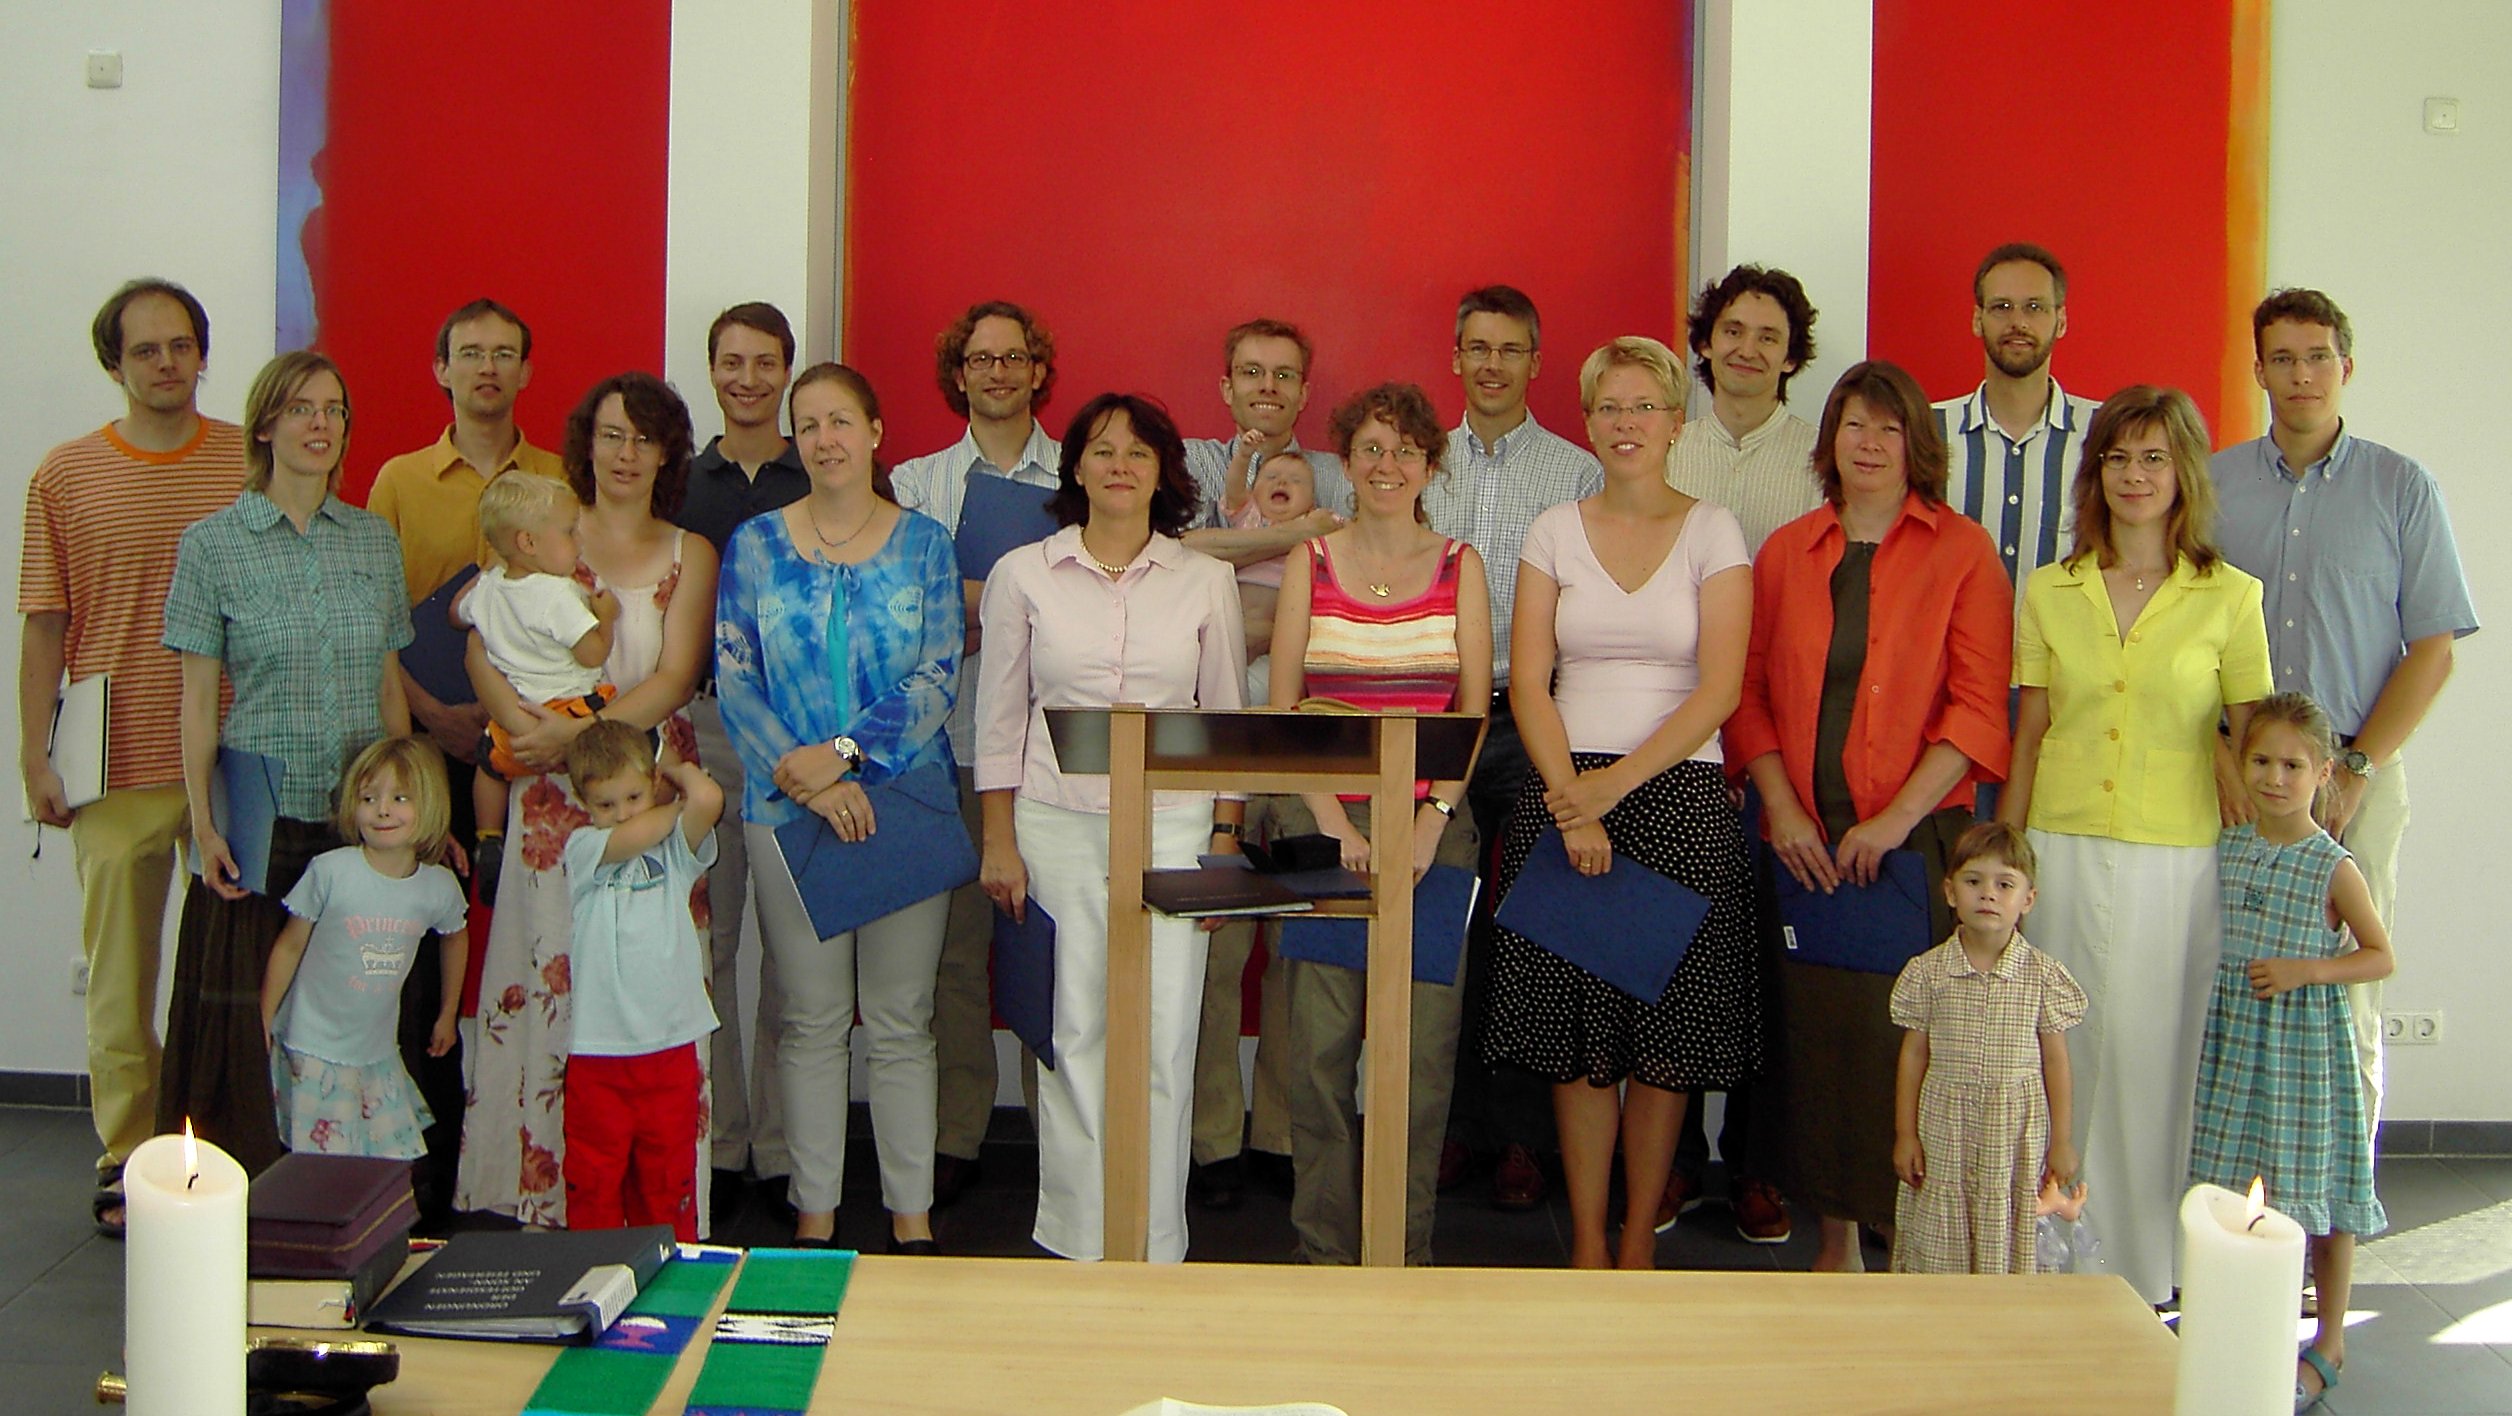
(2433, 1329)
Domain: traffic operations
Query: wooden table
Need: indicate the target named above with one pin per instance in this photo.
(918, 1337)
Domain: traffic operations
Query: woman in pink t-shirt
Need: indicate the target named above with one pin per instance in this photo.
(1640, 598)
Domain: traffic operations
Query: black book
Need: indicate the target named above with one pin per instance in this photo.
(526, 1285)
(1206, 891)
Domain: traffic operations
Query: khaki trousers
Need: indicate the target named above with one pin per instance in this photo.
(2374, 837)
(124, 844)
(963, 1007)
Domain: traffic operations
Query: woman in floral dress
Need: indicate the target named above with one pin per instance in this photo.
(627, 455)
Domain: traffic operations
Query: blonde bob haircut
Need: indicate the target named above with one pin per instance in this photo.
(273, 389)
(418, 769)
(2140, 408)
(1639, 351)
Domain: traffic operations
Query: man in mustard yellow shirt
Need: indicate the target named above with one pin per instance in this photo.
(431, 497)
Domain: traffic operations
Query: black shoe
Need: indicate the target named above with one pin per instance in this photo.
(486, 861)
(1269, 1171)
(915, 1248)
(952, 1176)
(725, 1196)
(1222, 1185)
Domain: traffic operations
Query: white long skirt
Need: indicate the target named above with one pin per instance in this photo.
(1066, 853)
(2139, 927)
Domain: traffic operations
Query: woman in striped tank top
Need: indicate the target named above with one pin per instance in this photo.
(1383, 614)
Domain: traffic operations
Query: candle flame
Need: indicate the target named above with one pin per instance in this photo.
(192, 1154)
(2258, 1206)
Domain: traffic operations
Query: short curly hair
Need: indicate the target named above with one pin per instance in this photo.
(1735, 285)
(655, 410)
(950, 350)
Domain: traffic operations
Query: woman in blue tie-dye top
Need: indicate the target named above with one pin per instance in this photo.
(837, 636)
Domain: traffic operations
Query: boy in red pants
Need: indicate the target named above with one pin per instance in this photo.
(634, 1119)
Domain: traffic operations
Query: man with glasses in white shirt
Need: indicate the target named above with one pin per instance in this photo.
(1501, 470)
(995, 367)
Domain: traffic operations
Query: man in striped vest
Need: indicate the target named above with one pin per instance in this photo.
(2012, 444)
(103, 516)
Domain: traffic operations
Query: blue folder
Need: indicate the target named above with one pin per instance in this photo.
(1870, 928)
(1442, 901)
(434, 654)
(995, 515)
(1024, 979)
(918, 848)
(1629, 926)
(244, 802)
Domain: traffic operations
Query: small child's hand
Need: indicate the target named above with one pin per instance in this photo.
(1910, 1160)
(270, 1043)
(604, 605)
(2270, 977)
(2062, 1166)
(440, 1039)
(1252, 444)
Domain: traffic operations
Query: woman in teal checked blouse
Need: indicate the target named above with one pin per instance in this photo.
(837, 635)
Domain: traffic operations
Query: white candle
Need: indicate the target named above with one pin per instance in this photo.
(2241, 1287)
(183, 1279)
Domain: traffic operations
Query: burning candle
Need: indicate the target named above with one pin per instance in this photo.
(183, 1279)
(2241, 1288)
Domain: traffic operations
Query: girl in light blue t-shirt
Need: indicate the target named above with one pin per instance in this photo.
(331, 1001)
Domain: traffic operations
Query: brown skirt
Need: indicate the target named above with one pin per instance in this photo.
(217, 1069)
(1840, 1052)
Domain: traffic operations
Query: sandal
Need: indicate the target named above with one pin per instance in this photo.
(2327, 1371)
(109, 1197)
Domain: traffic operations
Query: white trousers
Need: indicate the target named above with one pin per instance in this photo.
(2140, 928)
(886, 969)
(2374, 838)
(1066, 854)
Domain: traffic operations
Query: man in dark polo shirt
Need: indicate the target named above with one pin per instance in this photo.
(751, 469)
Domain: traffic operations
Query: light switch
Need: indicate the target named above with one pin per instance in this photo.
(2442, 115)
(104, 68)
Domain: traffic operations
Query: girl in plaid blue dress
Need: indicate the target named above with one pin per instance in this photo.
(2278, 1093)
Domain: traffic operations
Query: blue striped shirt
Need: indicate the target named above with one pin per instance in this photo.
(2019, 492)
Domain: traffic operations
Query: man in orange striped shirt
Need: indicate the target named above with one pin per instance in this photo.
(103, 516)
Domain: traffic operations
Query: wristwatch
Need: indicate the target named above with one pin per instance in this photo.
(2357, 761)
(1231, 829)
(846, 748)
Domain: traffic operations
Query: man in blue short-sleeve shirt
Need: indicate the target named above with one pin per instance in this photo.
(2365, 595)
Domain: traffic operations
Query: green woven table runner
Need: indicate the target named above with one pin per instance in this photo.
(624, 1370)
(766, 1352)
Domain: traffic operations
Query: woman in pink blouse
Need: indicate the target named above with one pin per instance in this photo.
(1111, 609)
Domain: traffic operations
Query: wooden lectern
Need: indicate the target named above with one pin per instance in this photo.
(1262, 751)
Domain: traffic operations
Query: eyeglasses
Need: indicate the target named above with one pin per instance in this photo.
(1406, 455)
(2152, 461)
(1480, 353)
(2033, 309)
(303, 412)
(1014, 361)
(1645, 408)
(613, 439)
(473, 356)
(2318, 361)
(1255, 373)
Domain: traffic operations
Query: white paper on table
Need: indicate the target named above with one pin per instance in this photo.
(77, 746)
(1171, 1406)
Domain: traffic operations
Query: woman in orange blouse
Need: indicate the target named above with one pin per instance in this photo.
(1874, 701)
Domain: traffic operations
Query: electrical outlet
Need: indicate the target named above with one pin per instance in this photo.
(2420, 1029)
(78, 979)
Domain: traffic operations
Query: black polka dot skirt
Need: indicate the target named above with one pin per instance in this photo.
(1557, 1020)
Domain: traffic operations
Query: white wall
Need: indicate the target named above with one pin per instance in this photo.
(753, 157)
(1785, 183)
(2403, 229)
(173, 174)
